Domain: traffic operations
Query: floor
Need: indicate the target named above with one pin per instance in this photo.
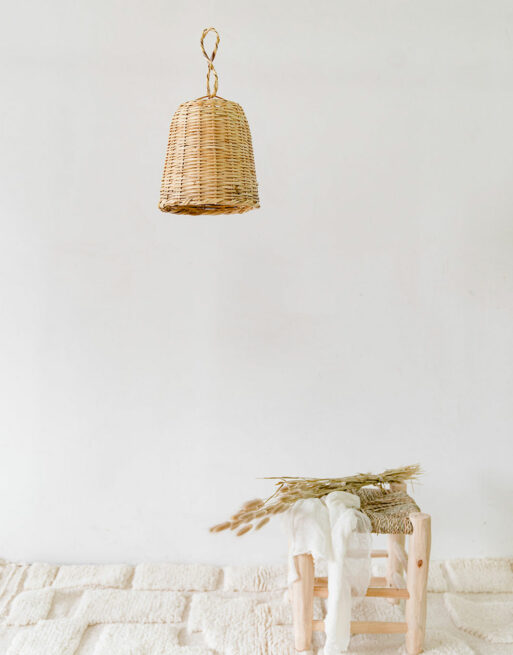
(173, 609)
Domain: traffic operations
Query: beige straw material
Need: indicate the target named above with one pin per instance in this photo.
(209, 167)
(388, 511)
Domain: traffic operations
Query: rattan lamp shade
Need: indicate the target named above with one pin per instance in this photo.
(209, 166)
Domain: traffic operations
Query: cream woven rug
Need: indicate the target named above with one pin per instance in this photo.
(176, 609)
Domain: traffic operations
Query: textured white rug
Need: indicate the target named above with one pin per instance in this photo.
(173, 609)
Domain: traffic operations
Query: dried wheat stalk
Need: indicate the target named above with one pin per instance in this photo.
(256, 513)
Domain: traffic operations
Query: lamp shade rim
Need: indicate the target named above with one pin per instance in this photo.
(201, 208)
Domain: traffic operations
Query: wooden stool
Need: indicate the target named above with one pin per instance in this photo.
(400, 518)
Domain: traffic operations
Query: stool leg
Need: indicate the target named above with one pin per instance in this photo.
(418, 566)
(394, 564)
(302, 602)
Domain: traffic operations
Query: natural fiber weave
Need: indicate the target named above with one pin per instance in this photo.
(388, 511)
(209, 167)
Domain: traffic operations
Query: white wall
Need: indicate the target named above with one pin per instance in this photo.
(153, 366)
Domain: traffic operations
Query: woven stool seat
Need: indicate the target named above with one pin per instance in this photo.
(388, 511)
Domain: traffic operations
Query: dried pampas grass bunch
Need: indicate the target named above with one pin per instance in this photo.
(254, 514)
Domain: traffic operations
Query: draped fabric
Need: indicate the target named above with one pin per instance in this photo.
(334, 530)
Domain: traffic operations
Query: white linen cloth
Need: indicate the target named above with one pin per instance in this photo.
(333, 529)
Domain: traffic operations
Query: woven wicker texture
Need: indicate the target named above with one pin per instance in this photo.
(209, 166)
(388, 511)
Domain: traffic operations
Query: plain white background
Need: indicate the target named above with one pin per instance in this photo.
(154, 366)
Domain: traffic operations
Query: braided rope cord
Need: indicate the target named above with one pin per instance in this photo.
(210, 60)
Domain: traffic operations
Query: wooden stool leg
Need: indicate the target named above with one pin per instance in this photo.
(394, 563)
(395, 541)
(418, 566)
(302, 602)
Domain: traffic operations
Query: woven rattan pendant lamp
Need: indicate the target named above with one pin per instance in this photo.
(209, 167)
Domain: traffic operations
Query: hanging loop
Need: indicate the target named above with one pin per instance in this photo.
(210, 60)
